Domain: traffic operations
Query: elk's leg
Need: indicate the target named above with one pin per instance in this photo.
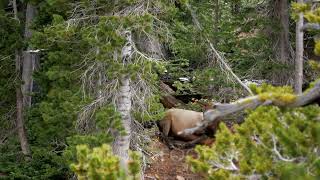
(166, 140)
(212, 128)
(195, 141)
(190, 137)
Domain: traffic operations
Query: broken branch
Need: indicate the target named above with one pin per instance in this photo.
(252, 102)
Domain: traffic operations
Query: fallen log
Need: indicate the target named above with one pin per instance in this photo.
(221, 110)
(168, 100)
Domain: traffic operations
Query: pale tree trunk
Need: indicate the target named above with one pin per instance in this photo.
(299, 54)
(29, 59)
(121, 143)
(19, 101)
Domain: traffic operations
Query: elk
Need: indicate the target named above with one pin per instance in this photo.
(177, 120)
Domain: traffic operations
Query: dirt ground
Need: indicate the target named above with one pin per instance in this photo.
(168, 164)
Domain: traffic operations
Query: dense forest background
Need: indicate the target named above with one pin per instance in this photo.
(77, 75)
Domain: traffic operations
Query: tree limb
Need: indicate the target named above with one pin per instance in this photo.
(167, 99)
(222, 110)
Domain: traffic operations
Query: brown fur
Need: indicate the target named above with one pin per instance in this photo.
(177, 120)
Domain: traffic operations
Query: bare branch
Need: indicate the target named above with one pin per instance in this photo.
(275, 150)
(222, 110)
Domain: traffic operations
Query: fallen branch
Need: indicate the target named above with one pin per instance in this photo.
(216, 53)
(168, 100)
(275, 150)
(222, 110)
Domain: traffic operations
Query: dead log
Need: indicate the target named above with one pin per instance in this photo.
(168, 100)
(252, 102)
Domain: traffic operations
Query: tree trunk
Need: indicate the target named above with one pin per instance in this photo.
(19, 99)
(29, 59)
(167, 100)
(19, 119)
(282, 15)
(284, 32)
(122, 142)
(299, 54)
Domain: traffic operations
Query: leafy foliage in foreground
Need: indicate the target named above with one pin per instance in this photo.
(271, 143)
(100, 163)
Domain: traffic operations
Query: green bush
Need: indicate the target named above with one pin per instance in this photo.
(272, 143)
(100, 163)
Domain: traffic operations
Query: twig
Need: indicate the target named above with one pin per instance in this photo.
(275, 150)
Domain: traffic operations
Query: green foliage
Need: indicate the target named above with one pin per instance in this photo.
(70, 49)
(108, 117)
(300, 7)
(212, 82)
(283, 95)
(10, 40)
(72, 32)
(314, 65)
(100, 163)
(272, 143)
(154, 112)
(242, 37)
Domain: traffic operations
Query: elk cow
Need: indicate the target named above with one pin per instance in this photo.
(177, 120)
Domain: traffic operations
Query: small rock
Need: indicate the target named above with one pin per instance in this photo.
(180, 178)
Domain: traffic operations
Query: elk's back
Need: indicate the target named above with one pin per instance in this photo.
(182, 119)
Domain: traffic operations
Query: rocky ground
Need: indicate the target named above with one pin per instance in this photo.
(167, 164)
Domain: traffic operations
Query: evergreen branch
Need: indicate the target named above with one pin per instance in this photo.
(216, 53)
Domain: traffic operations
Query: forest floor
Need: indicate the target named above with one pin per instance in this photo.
(168, 164)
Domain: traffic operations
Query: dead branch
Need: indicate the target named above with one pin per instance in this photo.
(222, 110)
(217, 54)
(168, 100)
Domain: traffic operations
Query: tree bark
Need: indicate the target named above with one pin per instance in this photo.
(281, 14)
(222, 110)
(121, 143)
(167, 100)
(299, 54)
(20, 119)
(29, 59)
(19, 100)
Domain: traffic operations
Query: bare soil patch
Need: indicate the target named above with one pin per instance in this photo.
(168, 164)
